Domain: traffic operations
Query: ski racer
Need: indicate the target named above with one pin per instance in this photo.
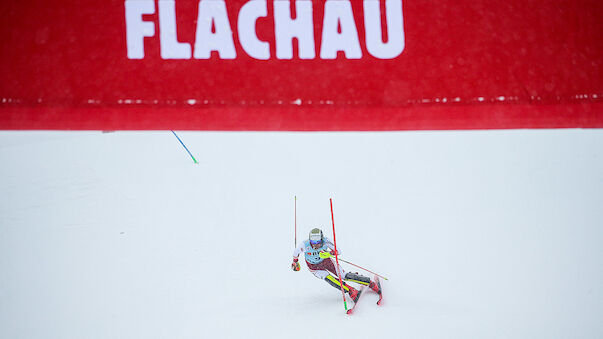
(319, 252)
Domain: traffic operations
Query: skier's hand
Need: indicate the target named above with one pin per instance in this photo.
(295, 265)
(325, 255)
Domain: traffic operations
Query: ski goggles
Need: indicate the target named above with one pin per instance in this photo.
(315, 242)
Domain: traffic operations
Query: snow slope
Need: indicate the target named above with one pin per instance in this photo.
(482, 234)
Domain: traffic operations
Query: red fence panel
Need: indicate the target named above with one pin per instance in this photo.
(301, 65)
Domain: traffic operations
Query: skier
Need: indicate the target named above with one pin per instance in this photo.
(319, 252)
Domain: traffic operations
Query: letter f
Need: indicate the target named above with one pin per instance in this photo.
(136, 28)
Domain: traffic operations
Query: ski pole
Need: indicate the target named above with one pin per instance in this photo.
(336, 261)
(296, 221)
(362, 268)
(183, 145)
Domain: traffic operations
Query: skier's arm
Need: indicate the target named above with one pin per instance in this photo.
(331, 246)
(296, 253)
(298, 250)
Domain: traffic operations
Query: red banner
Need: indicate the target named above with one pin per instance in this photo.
(301, 65)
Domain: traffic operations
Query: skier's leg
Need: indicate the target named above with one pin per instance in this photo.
(322, 269)
(331, 266)
(332, 280)
(357, 278)
(320, 274)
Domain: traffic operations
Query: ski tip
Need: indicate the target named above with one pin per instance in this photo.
(350, 311)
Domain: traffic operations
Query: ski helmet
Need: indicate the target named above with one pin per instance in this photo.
(316, 238)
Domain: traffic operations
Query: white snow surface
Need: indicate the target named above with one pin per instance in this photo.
(482, 234)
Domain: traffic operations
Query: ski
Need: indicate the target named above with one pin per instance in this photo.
(380, 290)
(351, 310)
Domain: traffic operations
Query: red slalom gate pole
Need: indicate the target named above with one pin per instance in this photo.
(336, 260)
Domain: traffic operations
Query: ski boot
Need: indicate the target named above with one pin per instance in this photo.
(373, 286)
(354, 293)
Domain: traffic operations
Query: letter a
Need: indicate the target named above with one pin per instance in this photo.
(339, 12)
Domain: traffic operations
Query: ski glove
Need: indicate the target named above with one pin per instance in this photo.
(295, 265)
